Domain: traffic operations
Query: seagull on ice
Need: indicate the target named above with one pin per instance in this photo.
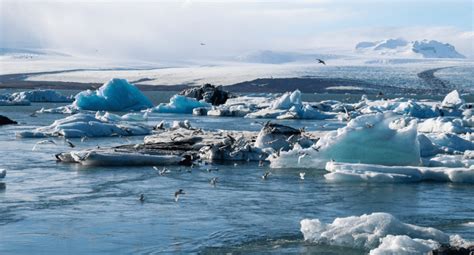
(320, 61)
(70, 143)
(142, 198)
(265, 175)
(177, 193)
(43, 142)
(302, 174)
(213, 181)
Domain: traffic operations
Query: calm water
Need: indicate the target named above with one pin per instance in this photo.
(51, 208)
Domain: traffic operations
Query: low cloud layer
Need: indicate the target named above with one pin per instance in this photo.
(157, 30)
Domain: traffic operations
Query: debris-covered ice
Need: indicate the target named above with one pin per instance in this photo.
(114, 95)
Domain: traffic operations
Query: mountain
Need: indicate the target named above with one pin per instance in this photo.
(400, 47)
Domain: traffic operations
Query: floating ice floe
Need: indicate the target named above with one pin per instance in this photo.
(40, 95)
(451, 143)
(385, 139)
(85, 125)
(5, 100)
(443, 160)
(181, 104)
(379, 233)
(347, 172)
(110, 117)
(452, 100)
(115, 95)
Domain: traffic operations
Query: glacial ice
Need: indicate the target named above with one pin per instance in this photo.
(85, 125)
(40, 95)
(180, 104)
(443, 125)
(379, 233)
(452, 100)
(378, 138)
(114, 95)
(348, 172)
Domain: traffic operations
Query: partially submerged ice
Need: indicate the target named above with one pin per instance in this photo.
(85, 125)
(348, 172)
(378, 233)
(114, 95)
(181, 104)
(374, 139)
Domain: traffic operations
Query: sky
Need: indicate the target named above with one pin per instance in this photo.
(157, 30)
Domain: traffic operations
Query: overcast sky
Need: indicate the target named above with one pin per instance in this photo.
(174, 29)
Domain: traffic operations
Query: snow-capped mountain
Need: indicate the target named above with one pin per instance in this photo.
(400, 47)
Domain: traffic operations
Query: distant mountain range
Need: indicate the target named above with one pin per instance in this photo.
(402, 48)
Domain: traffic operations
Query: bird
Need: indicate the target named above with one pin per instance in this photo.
(320, 61)
(177, 193)
(260, 163)
(304, 154)
(84, 138)
(162, 171)
(213, 181)
(70, 143)
(142, 198)
(265, 175)
(302, 174)
(369, 125)
(33, 114)
(316, 148)
(43, 142)
(202, 44)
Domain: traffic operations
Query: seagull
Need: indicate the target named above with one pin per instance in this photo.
(161, 172)
(33, 114)
(142, 198)
(43, 142)
(70, 143)
(320, 61)
(177, 193)
(265, 175)
(84, 138)
(260, 163)
(301, 157)
(203, 44)
(316, 148)
(302, 174)
(213, 181)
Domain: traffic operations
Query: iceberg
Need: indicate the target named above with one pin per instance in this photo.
(40, 95)
(181, 104)
(452, 100)
(85, 125)
(379, 233)
(443, 125)
(348, 172)
(114, 95)
(385, 139)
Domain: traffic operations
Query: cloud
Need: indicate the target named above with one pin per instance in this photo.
(158, 30)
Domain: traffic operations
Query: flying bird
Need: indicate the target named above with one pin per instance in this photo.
(302, 174)
(142, 198)
(301, 157)
(70, 144)
(203, 44)
(43, 142)
(320, 61)
(266, 175)
(213, 181)
(177, 193)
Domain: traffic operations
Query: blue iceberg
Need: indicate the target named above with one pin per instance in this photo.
(181, 104)
(115, 95)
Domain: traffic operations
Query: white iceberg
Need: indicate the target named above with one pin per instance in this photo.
(85, 125)
(115, 95)
(443, 125)
(347, 172)
(181, 104)
(451, 142)
(40, 95)
(379, 233)
(452, 100)
(379, 138)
